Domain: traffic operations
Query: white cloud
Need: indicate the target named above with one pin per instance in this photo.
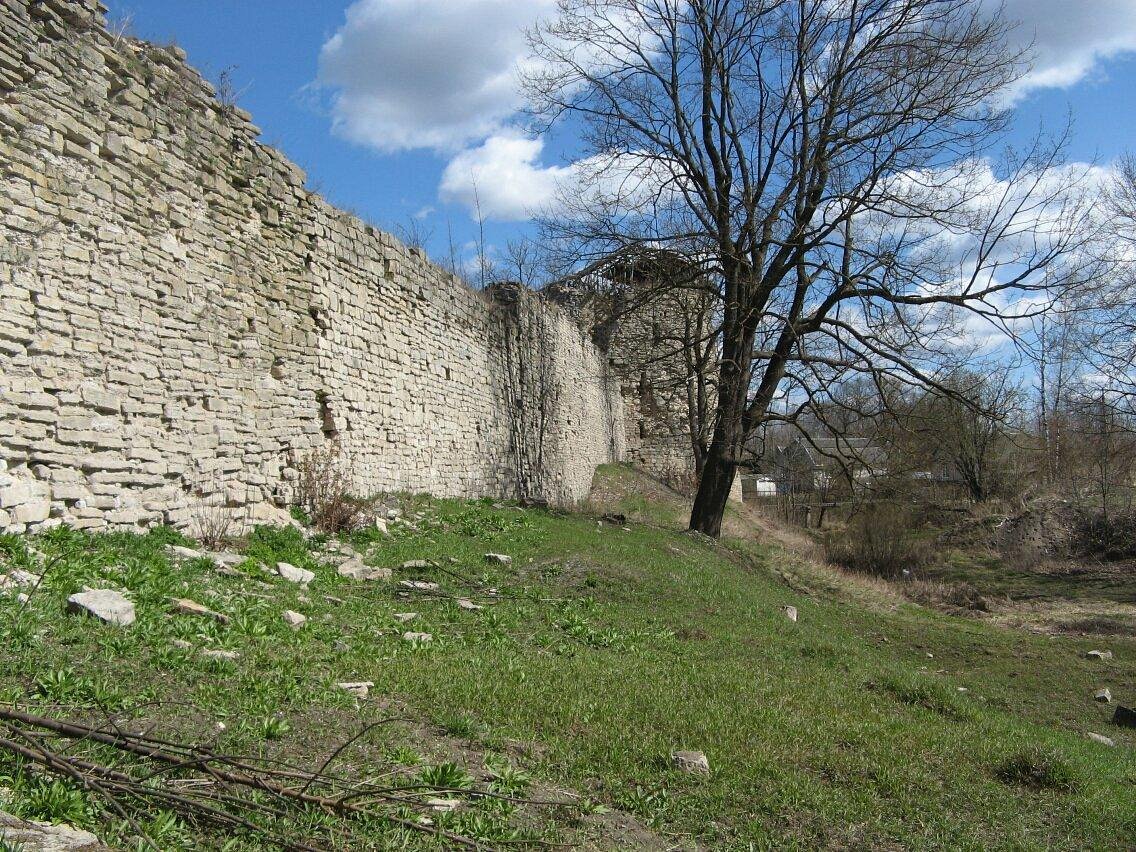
(502, 176)
(436, 74)
(1070, 38)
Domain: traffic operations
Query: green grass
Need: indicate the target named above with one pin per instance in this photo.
(604, 651)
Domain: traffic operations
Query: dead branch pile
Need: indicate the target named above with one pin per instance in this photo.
(263, 799)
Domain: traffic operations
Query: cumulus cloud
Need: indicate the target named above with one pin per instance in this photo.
(1070, 39)
(435, 74)
(502, 177)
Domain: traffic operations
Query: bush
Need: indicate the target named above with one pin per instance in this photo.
(324, 492)
(1110, 537)
(881, 541)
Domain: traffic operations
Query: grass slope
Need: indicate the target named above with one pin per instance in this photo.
(605, 650)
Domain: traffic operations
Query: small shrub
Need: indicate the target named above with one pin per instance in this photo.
(881, 541)
(1037, 769)
(1111, 537)
(324, 492)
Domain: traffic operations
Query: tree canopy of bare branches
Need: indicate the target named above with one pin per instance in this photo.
(825, 162)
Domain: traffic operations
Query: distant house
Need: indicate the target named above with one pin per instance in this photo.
(807, 466)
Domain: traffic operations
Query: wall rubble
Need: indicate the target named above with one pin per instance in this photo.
(180, 317)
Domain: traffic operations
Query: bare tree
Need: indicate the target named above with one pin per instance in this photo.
(824, 161)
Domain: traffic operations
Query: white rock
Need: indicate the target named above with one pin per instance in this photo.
(414, 564)
(1104, 696)
(411, 636)
(359, 688)
(381, 526)
(790, 612)
(185, 552)
(293, 619)
(19, 579)
(1099, 655)
(499, 558)
(106, 605)
(419, 585)
(443, 805)
(220, 654)
(355, 569)
(293, 574)
(691, 762)
(44, 837)
(405, 616)
(1102, 739)
(226, 559)
(466, 603)
(185, 606)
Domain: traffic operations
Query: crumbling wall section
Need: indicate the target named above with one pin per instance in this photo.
(180, 319)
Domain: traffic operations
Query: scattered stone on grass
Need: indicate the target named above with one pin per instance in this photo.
(419, 585)
(16, 833)
(381, 526)
(358, 688)
(411, 636)
(413, 564)
(691, 762)
(185, 606)
(293, 619)
(1101, 738)
(293, 574)
(443, 805)
(106, 605)
(1104, 696)
(185, 552)
(1124, 717)
(790, 612)
(405, 616)
(466, 603)
(220, 654)
(1099, 655)
(18, 579)
(182, 644)
(499, 558)
(226, 559)
(355, 569)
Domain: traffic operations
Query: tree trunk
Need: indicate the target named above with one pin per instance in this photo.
(713, 492)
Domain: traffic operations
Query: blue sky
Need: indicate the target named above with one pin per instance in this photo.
(390, 105)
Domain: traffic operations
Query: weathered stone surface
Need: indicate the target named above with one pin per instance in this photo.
(355, 569)
(412, 636)
(1102, 739)
(220, 654)
(499, 558)
(106, 605)
(1099, 655)
(691, 762)
(358, 688)
(415, 564)
(185, 552)
(182, 322)
(1104, 696)
(790, 612)
(1123, 716)
(419, 585)
(404, 617)
(294, 619)
(293, 574)
(44, 837)
(466, 603)
(185, 606)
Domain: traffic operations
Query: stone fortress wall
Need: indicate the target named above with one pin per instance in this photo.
(180, 317)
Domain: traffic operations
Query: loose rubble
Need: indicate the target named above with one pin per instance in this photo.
(106, 605)
(293, 574)
(691, 762)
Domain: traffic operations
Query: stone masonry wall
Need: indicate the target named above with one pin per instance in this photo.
(181, 319)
